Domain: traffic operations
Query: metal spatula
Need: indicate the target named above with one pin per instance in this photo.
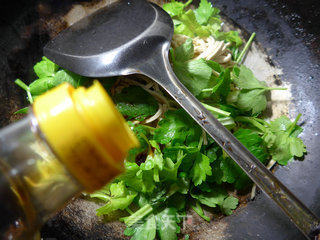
(133, 36)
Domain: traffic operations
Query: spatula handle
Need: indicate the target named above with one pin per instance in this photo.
(161, 71)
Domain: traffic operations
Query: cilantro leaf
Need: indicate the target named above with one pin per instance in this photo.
(167, 226)
(251, 140)
(184, 52)
(252, 96)
(154, 161)
(217, 197)
(246, 79)
(66, 76)
(222, 88)
(44, 84)
(252, 100)
(205, 11)
(285, 144)
(231, 37)
(135, 103)
(283, 123)
(195, 75)
(175, 8)
(139, 180)
(172, 128)
(190, 27)
(232, 173)
(217, 172)
(200, 169)
(45, 68)
(213, 198)
(177, 127)
(170, 169)
(118, 197)
(229, 204)
(190, 156)
(280, 136)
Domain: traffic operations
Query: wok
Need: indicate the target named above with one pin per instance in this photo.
(288, 35)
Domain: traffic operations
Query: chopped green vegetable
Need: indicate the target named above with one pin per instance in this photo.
(177, 128)
(45, 68)
(229, 204)
(195, 74)
(252, 95)
(281, 137)
(200, 169)
(175, 8)
(189, 26)
(117, 197)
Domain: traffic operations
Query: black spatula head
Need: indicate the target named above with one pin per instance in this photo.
(112, 41)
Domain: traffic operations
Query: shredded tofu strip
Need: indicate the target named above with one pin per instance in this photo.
(207, 48)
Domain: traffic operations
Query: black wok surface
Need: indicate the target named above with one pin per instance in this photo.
(290, 33)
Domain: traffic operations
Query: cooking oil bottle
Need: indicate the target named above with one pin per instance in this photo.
(73, 140)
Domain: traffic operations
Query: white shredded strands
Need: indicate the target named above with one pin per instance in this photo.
(207, 48)
(157, 115)
(254, 187)
(253, 191)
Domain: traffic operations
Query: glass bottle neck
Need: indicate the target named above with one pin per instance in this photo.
(38, 181)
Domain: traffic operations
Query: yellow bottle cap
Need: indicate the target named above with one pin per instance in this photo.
(85, 131)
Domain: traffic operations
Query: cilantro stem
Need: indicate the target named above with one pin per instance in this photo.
(138, 215)
(276, 88)
(26, 88)
(200, 142)
(261, 121)
(252, 121)
(293, 125)
(215, 110)
(21, 84)
(22, 111)
(188, 3)
(207, 90)
(148, 127)
(29, 97)
(198, 209)
(129, 210)
(246, 47)
(172, 54)
(227, 121)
